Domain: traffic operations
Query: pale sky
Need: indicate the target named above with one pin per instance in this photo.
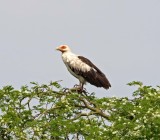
(121, 37)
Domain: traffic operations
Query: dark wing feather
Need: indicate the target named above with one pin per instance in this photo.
(95, 76)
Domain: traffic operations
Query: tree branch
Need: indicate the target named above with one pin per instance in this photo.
(96, 110)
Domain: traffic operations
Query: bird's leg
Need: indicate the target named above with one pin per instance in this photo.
(82, 89)
(81, 86)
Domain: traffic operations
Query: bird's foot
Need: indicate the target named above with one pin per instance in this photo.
(79, 89)
(76, 88)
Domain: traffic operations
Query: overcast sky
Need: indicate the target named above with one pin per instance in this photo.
(122, 37)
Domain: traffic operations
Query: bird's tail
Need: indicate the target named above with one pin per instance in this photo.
(98, 79)
(104, 82)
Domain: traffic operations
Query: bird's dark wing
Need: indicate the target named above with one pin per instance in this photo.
(88, 62)
(95, 76)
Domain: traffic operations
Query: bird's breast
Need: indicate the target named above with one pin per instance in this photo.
(74, 62)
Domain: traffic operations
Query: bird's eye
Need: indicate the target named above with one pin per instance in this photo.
(63, 47)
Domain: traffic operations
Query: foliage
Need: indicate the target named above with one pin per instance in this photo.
(50, 112)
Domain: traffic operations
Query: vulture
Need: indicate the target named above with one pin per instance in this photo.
(83, 69)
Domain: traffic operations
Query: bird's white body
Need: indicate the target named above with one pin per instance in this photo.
(72, 60)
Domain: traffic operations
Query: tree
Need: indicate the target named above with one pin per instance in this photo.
(50, 112)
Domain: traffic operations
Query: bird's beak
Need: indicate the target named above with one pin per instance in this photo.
(57, 49)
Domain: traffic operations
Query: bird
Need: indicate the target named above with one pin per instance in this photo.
(83, 69)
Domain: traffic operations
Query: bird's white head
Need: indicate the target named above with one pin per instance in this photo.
(63, 48)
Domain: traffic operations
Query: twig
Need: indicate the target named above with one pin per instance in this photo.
(96, 110)
(82, 114)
